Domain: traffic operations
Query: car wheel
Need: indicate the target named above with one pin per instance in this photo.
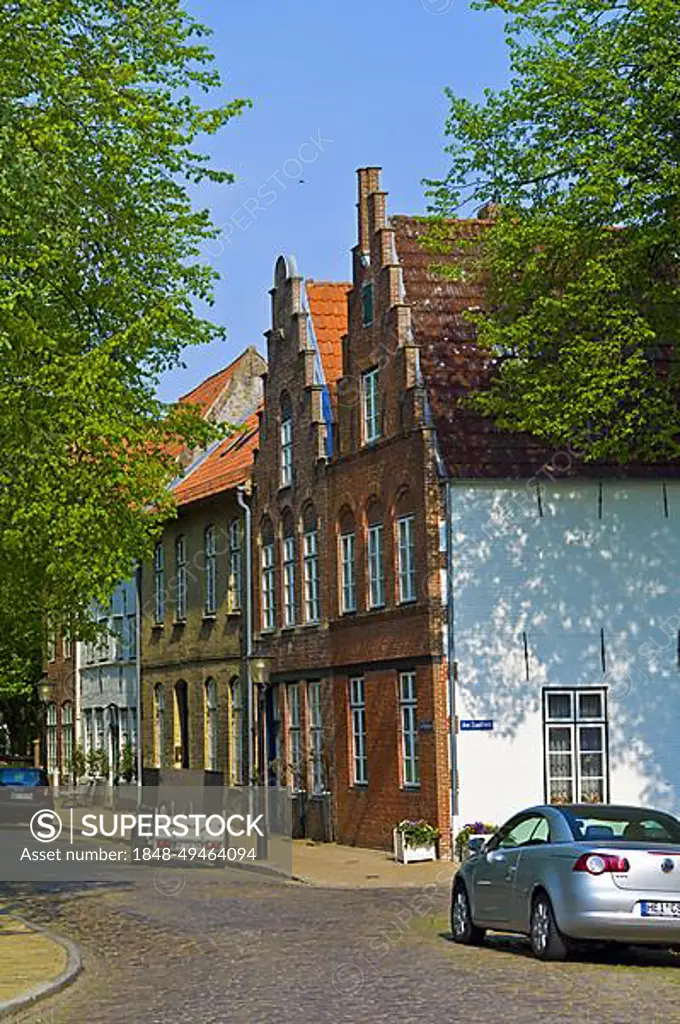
(462, 926)
(547, 941)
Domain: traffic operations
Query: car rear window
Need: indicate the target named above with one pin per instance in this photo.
(23, 777)
(622, 824)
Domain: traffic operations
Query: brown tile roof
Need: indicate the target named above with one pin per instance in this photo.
(226, 465)
(328, 306)
(452, 364)
(209, 390)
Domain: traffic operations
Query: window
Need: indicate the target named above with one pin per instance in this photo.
(287, 451)
(99, 728)
(367, 297)
(530, 830)
(159, 723)
(67, 645)
(210, 578)
(409, 729)
(276, 745)
(376, 567)
(159, 585)
(181, 578)
(268, 604)
(234, 582)
(294, 735)
(288, 572)
(311, 575)
(181, 726)
(67, 736)
(316, 737)
(406, 564)
(236, 732)
(88, 742)
(118, 628)
(348, 582)
(130, 627)
(105, 642)
(575, 729)
(51, 642)
(51, 737)
(124, 729)
(357, 707)
(370, 403)
(211, 725)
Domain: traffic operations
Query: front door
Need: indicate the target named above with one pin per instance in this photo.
(495, 892)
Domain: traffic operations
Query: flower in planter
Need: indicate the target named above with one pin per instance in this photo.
(473, 828)
(418, 833)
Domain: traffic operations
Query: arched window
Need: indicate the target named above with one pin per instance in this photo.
(181, 726)
(67, 736)
(288, 564)
(376, 556)
(210, 578)
(310, 564)
(236, 732)
(268, 578)
(159, 724)
(286, 438)
(348, 562)
(211, 725)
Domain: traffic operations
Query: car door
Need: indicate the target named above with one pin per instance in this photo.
(495, 898)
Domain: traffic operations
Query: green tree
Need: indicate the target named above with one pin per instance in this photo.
(582, 152)
(102, 108)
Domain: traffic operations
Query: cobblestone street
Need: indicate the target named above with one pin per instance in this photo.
(246, 949)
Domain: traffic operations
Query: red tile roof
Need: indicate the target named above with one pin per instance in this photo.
(226, 465)
(328, 306)
(209, 390)
(453, 364)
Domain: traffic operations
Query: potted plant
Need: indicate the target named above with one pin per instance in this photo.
(471, 836)
(127, 763)
(415, 841)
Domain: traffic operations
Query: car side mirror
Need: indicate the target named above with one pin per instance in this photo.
(476, 844)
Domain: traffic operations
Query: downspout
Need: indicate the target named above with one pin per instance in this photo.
(451, 663)
(138, 670)
(248, 647)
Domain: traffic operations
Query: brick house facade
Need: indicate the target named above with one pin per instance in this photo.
(347, 465)
(59, 707)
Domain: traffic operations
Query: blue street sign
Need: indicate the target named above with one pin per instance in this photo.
(476, 724)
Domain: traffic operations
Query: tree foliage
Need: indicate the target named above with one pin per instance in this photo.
(582, 152)
(102, 107)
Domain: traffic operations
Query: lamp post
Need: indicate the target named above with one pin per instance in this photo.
(46, 689)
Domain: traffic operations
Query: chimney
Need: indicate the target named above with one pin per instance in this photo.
(369, 182)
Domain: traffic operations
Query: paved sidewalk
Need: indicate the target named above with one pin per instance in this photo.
(27, 959)
(353, 867)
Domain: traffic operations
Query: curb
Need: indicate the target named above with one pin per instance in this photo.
(74, 966)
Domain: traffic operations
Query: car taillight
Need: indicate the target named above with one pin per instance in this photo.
(601, 863)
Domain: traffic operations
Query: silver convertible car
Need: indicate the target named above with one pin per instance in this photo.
(568, 873)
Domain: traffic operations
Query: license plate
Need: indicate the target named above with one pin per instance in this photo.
(657, 908)
(21, 796)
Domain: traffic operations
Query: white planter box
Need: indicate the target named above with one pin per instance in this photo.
(409, 854)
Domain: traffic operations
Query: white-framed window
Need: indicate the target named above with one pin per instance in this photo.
(311, 576)
(181, 579)
(67, 644)
(370, 405)
(367, 303)
(348, 579)
(211, 725)
(406, 559)
(268, 584)
(357, 709)
(210, 578)
(159, 584)
(316, 737)
(294, 736)
(376, 566)
(67, 736)
(575, 730)
(159, 723)
(236, 732)
(235, 568)
(289, 581)
(408, 708)
(286, 451)
(51, 737)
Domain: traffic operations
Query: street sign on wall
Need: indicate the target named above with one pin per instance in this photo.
(476, 724)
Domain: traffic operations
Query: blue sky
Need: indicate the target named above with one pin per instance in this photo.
(339, 85)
